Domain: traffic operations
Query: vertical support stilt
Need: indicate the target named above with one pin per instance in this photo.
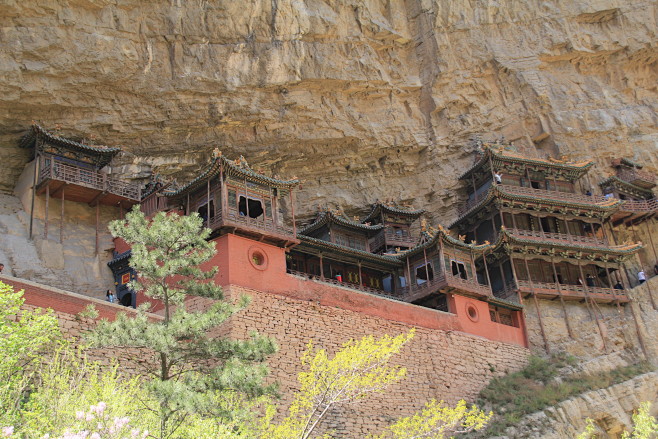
(360, 274)
(541, 324)
(34, 192)
(61, 217)
(639, 332)
(45, 225)
(594, 307)
(534, 296)
(98, 216)
(292, 209)
(321, 267)
(564, 307)
(653, 247)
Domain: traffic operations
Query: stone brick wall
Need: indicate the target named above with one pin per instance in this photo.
(442, 364)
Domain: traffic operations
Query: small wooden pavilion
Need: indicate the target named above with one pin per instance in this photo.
(75, 171)
(232, 198)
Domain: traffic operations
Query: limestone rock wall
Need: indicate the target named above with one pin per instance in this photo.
(361, 99)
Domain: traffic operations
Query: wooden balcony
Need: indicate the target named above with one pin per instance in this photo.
(550, 291)
(391, 238)
(444, 283)
(559, 238)
(261, 229)
(83, 184)
(635, 211)
(639, 178)
(537, 194)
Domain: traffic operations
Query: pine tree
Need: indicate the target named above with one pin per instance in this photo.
(188, 368)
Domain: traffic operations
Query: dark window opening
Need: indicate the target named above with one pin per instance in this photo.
(424, 273)
(203, 211)
(535, 184)
(249, 206)
(458, 269)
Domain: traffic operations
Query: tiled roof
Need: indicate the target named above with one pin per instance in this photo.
(504, 153)
(433, 237)
(327, 216)
(361, 254)
(498, 191)
(390, 208)
(236, 168)
(105, 153)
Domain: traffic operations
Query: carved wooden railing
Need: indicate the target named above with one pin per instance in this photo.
(559, 237)
(636, 176)
(263, 223)
(61, 171)
(566, 290)
(644, 206)
(443, 280)
(343, 284)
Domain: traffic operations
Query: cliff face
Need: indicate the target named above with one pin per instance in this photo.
(361, 99)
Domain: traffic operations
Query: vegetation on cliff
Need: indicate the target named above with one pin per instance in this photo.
(539, 385)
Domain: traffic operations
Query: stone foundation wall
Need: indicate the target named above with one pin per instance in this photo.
(442, 364)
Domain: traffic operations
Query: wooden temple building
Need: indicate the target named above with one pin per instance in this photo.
(66, 169)
(548, 234)
(530, 228)
(634, 187)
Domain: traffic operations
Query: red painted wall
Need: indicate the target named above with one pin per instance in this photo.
(255, 265)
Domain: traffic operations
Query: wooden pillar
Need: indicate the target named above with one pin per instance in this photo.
(98, 215)
(502, 274)
(187, 211)
(607, 274)
(292, 210)
(486, 270)
(358, 263)
(516, 280)
(321, 267)
(514, 221)
(409, 271)
(208, 203)
(37, 159)
(559, 292)
(427, 270)
(45, 225)
(653, 247)
(61, 223)
(246, 199)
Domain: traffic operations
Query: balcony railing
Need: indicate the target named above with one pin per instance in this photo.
(54, 169)
(573, 291)
(559, 237)
(637, 177)
(343, 284)
(235, 217)
(537, 194)
(441, 281)
(644, 206)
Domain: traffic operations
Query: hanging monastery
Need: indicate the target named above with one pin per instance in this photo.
(531, 230)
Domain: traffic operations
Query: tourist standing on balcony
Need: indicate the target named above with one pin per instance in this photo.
(588, 193)
(590, 280)
(641, 277)
(619, 286)
(655, 269)
(498, 178)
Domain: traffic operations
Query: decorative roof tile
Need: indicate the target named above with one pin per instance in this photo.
(236, 168)
(104, 153)
(392, 208)
(326, 216)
